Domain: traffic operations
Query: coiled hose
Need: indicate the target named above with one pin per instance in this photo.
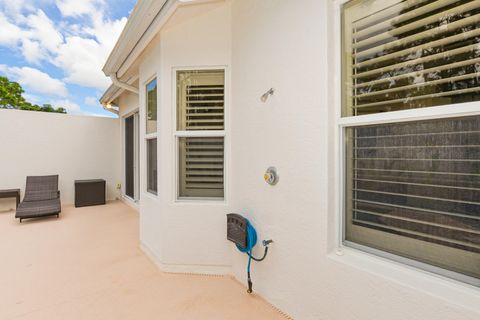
(251, 242)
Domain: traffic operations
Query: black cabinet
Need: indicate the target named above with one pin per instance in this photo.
(89, 192)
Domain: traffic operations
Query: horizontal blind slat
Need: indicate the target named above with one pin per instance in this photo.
(436, 56)
(415, 74)
(396, 18)
(433, 95)
(392, 10)
(420, 85)
(417, 24)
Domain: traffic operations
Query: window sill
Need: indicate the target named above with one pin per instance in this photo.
(456, 292)
(200, 201)
(150, 195)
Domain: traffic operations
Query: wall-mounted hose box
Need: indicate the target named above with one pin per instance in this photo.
(237, 229)
(244, 235)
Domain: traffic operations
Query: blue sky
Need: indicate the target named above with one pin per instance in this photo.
(56, 49)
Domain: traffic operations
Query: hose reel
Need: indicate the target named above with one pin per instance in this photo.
(241, 232)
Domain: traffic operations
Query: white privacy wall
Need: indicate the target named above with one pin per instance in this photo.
(287, 45)
(74, 147)
(182, 236)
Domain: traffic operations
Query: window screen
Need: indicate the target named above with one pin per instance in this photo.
(200, 108)
(200, 99)
(413, 189)
(201, 167)
(410, 54)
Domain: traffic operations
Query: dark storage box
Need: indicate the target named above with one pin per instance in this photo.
(89, 192)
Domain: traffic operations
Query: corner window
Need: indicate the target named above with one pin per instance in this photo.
(412, 188)
(152, 173)
(151, 136)
(200, 133)
(151, 107)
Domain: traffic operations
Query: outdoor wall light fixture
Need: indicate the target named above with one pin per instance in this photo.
(265, 96)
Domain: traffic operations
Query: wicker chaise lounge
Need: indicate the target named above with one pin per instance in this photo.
(42, 198)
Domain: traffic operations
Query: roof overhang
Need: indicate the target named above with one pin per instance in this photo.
(145, 21)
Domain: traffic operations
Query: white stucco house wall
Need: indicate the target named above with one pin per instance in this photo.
(236, 50)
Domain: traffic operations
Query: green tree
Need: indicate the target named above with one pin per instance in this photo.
(10, 94)
(11, 97)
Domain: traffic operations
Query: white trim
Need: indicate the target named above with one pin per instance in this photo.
(439, 112)
(394, 267)
(136, 141)
(455, 292)
(130, 202)
(202, 133)
(220, 270)
(150, 136)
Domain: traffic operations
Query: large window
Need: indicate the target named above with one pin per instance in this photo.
(151, 136)
(412, 188)
(200, 133)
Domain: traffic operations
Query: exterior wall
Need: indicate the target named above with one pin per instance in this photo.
(128, 102)
(75, 147)
(286, 45)
(195, 36)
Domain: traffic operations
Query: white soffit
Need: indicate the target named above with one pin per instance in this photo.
(145, 21)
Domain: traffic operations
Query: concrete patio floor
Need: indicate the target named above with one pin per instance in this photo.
(87, 265)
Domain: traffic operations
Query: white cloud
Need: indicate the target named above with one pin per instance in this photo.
(92, 101)
(32, 51)
(42, 29)
(10, 34)
(81, 59)
(36, 80)
(75, 8)
(70, 106)
(78, 48)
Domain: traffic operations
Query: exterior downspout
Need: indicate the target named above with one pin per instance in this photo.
(123, 85)
(118, 83)
(107, 107)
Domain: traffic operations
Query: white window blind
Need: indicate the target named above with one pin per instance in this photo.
(410, 54)
(200, 107)
(412, 188)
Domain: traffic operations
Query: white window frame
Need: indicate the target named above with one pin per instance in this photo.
(366, 257)
(201, 133)
(150, 136)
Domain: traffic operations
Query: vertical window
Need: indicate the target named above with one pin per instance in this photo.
(412, 188)
(151, 115)
(151, 136)
(152, 174)
(200, 133)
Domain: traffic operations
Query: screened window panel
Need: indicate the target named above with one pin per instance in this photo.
(201, 167)
(152, 174)
(409, 54)
(413, 189)
(200, 107)
(200, 100)
(151, 115)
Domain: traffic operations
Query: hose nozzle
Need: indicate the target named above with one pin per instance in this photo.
(267, 242)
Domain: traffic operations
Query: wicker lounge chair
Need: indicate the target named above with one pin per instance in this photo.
(42, 198)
